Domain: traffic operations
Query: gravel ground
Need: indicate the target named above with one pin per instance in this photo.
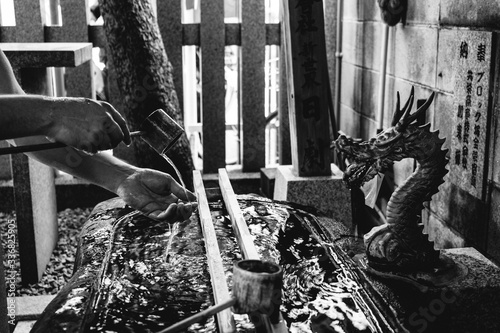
(60, 267)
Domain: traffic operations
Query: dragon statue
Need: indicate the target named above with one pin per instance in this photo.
(400, 245)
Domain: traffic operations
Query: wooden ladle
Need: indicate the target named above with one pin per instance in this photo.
(256, 289)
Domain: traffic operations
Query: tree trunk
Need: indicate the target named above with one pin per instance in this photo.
(144, 77)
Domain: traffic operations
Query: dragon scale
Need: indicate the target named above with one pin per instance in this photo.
(400, 244)
(407, 200)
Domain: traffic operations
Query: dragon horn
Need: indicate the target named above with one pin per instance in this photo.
(421, 109)
(399, 113)
(403, 120)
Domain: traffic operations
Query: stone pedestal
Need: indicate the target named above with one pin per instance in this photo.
(326, 193)
(468, 304)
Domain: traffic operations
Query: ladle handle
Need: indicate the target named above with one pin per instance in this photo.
(44, 146)
(185, 323)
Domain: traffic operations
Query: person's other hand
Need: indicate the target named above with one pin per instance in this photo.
(157, 195)
(86, 124)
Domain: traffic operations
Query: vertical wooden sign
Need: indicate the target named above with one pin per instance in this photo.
(307, 75)
(472, 111)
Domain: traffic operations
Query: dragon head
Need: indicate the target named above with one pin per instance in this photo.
(369, 158)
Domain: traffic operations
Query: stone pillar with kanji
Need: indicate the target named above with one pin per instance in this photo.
(311, 179)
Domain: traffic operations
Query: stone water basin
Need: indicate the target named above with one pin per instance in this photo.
(136, 275)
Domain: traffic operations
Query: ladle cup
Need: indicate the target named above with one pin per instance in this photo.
(256, 289)
(160, 131)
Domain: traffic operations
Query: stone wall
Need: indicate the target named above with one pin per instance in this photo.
(423, 53)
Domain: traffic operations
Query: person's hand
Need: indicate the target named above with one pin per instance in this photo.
(157, 195)
(86, 124)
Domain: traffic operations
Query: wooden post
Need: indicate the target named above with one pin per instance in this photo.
(212, 42)
(306, 71)
(285, 153)
(253, 45)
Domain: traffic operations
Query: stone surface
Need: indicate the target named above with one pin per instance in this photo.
(30, 307)
(446, 60)
(462, 212)
(5, 172)
(369, 126)
(29, 26)
(423, 12)
(349, 121)
(356, 83)
(494, 160)
(24, 326)
(360, 10)
(492, 246)
(267, 181)
(24, 55)
(470, 13)
(469, 304)
(325, 193)
(441, 234)
(361, 43)
(79, 81)
(443, 117)
(471, 111)
(35, 201)
(413, 55)
(351, 85)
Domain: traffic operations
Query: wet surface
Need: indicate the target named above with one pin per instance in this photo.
(151, 275)
(156, 275)
(317, 293)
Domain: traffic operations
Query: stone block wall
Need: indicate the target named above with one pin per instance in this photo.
(423, 53)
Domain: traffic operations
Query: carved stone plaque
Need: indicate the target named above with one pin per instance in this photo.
(471, 111)
(307, 86)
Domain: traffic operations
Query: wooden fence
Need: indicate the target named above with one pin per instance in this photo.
(211, 35)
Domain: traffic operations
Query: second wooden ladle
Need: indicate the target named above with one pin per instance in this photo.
(256, 289)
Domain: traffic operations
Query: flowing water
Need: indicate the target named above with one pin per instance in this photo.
(177, 172)
(140, 291)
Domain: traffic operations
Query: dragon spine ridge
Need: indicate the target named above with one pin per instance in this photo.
(400, 244)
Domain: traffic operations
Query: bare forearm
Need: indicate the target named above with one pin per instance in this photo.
(100, 169)
(26, 115)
